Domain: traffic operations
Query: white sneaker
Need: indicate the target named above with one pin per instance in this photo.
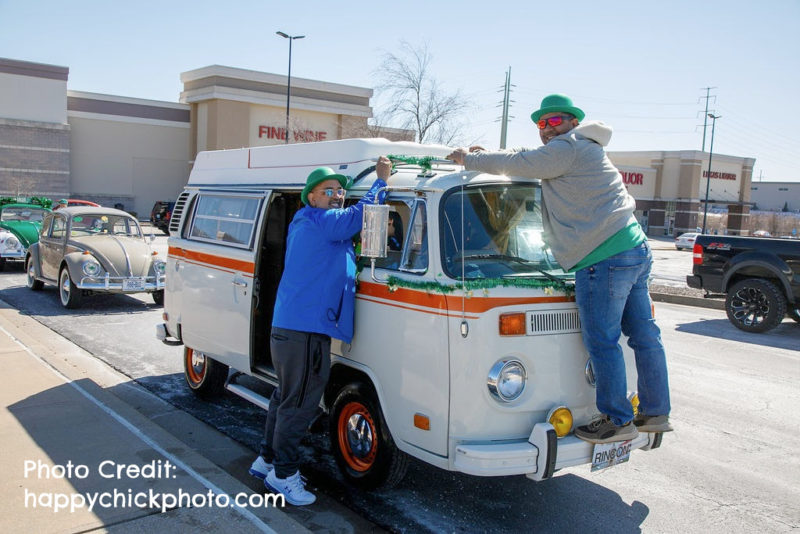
(260, 468)
(292, 488)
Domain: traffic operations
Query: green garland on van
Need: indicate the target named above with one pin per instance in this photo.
(484, 284)
(426, 162)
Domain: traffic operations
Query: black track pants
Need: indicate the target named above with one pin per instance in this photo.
(302, 362)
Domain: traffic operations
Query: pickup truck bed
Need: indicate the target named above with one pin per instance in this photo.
(759, 278)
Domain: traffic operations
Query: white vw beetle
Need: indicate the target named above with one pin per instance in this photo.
(86, 249)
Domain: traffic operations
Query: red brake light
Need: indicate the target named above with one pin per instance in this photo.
(697, 254)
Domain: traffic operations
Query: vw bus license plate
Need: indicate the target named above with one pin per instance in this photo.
(133, 285)
(608, 454)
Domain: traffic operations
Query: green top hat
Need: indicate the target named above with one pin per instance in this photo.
(555, 103)
(319, 175)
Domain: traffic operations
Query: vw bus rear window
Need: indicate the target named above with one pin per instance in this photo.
(225, 219)
(495, 231)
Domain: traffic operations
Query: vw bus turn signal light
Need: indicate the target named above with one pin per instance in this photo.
(422, 422)
(561, 419)
(512, 324)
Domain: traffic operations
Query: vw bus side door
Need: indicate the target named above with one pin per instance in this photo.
(214, 262)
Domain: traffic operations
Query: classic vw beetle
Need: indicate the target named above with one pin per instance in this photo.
(19, 227)
(86, 249)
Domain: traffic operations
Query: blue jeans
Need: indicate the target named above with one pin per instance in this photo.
(613, 299)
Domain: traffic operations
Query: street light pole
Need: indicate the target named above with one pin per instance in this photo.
(708, 176)
(289, 77)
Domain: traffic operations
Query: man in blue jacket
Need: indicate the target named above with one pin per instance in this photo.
(315, 302)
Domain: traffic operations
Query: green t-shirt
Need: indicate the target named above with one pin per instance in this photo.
(625, 239)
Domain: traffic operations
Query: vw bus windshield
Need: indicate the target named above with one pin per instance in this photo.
(495, 231)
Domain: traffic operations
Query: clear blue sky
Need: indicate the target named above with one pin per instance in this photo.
(638, 66)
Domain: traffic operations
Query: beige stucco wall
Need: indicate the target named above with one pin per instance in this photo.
(305, 126)
(33, 99)
(724, 190)
(147, 162)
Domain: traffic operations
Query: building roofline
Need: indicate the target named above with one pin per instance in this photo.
(35, 70)
(270, 78)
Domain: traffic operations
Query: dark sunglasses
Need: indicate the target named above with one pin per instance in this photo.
(552, 121)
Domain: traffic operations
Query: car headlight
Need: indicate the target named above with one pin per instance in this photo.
(12, 242)
(506, 380)
(159, 267)
(91, 267)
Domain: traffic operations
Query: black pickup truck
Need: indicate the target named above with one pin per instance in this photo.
(759, 278)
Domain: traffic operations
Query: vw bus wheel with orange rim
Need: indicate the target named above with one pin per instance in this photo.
(205, 376)
(361, 442)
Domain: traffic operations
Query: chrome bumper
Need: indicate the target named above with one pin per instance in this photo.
(13, 255)
(115, 283)
(538, 458)
(162, 334)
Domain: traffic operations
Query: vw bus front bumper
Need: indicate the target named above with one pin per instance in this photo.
(538, 458)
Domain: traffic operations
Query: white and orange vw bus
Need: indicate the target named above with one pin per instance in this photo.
(467, 351)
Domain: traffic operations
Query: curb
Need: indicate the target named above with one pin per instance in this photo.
(715, 304)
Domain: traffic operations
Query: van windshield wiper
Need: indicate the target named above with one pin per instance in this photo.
(507, 257)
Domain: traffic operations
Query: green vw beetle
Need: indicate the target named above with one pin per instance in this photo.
(20, 224)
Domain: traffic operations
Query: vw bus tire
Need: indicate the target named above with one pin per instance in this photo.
(795, 314)
(69, 294)
(31, 281)
(755, 305)
(205, 376)
(360, 440)
(158, 297)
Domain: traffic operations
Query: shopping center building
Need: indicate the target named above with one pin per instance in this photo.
(60, 143)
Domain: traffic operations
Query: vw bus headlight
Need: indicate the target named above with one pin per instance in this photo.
(91, 267)
(506, 380)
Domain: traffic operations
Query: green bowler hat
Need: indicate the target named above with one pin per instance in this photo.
(555, 103)
(319, 175)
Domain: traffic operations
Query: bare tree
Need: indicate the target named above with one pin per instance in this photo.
(415, 99)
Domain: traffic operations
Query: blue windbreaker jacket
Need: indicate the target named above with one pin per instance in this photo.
(317, 290)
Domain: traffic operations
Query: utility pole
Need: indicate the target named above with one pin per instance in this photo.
(706, 115)
(708, 177)
(506, 105)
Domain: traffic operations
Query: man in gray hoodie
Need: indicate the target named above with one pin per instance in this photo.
(591, 229)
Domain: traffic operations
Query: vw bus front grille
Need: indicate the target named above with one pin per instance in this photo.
(553, 322)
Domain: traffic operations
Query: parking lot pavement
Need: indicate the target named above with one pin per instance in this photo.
(70, 443)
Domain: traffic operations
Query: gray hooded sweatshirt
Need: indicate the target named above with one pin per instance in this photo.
(584, 199)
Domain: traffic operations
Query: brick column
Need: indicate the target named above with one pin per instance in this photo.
(738, 217)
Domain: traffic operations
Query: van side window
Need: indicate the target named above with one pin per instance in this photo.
(415, 248)
(226, 219)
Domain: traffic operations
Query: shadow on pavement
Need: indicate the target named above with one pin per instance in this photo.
(785, 336)
(47, 303)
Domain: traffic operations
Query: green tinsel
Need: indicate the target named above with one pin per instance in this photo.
(424, 161)
(484, 284)
(41, 201)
